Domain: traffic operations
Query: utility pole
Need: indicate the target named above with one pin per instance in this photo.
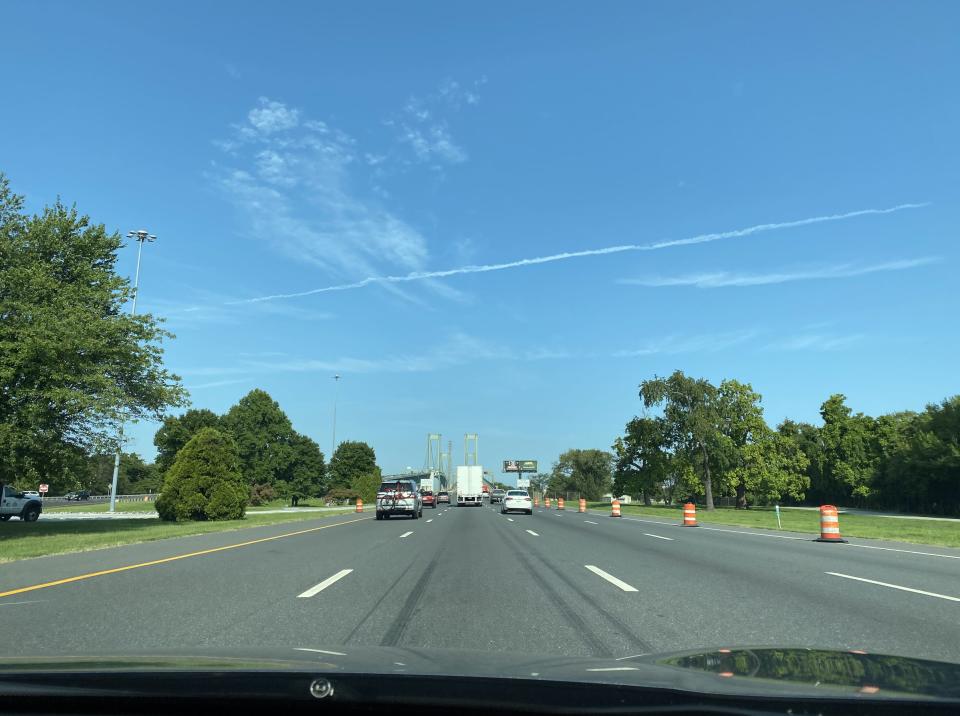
(336, 391)
(142, 236)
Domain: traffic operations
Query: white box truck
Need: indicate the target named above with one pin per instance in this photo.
(469, 485)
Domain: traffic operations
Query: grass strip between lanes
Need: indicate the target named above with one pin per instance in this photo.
(23, 540)
(929, 532)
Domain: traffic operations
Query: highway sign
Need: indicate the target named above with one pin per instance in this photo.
(44, 488)
(519, 465)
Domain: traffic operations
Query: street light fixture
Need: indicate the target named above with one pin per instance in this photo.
(142, 236)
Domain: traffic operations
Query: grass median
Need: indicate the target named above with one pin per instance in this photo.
(22, 540)
(944, 534)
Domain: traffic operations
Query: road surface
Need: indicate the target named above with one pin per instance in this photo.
(471, 578)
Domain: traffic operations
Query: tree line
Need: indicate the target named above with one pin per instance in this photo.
(274, 460)
(703, 442)
(706, 440)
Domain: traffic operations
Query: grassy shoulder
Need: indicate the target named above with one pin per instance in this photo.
(944, 534)
(22, 540)
(141, 506)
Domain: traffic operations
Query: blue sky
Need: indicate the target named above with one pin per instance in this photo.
(278, 148)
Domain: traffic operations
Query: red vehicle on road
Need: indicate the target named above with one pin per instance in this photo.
(429, 499)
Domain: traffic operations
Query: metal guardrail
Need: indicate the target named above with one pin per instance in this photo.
(98, 499)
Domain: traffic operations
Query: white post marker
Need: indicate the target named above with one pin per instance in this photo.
(777, 508)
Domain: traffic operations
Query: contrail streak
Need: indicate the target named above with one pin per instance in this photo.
(700, 239)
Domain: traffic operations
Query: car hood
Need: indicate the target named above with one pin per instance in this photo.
(744, 671)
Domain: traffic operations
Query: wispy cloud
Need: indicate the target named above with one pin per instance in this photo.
(815, 342)
(568, 255)
(218, 383)
(208, 308)
(722, 279)
(424, 127)
(295, 181)
(700, 343)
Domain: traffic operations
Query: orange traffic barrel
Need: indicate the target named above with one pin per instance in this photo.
(536, 501)
(690, 515)
(359, 505)
(546, 502)
(615, 508)
(829, 525)
(559, 503)
(583, 505)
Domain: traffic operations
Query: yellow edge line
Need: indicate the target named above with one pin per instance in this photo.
(90, 575)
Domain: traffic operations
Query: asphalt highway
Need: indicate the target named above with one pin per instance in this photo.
(470, 578)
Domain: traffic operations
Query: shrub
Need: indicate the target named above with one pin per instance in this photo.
(341, 496)
(259, 494)
(204, 482)
(366, 486)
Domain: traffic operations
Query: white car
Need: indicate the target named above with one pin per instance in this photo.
(516, 501)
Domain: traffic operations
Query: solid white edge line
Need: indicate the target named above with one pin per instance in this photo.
(405, 534)
(669, 539)
(616, 668)
(324, 584)
(798, 539)
(895, 586)
(533, 533)
(610, 578)
(321, 651)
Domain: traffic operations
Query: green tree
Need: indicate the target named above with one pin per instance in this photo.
(932, 459)
(366, 485)
(308, 471)
(350, 460)
(264, 438)
(642, 459)
(690, 410)
(176, 432)
(850, 454)
(806, 437)
(539, 482)
(74, 364)
(741, 427)
(135, 476)
(204, 482)
(770, 467)
(587, 472)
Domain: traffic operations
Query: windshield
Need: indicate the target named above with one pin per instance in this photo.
(560, 329)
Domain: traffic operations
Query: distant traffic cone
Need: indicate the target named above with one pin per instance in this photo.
(559, 503)
(536, 501)
(546, 502)
(690, 515)
(615, 508)
(829, 525)
(359, 505)
(583, 505)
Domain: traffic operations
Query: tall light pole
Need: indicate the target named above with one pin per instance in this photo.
(142, 236)
(336, 391)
